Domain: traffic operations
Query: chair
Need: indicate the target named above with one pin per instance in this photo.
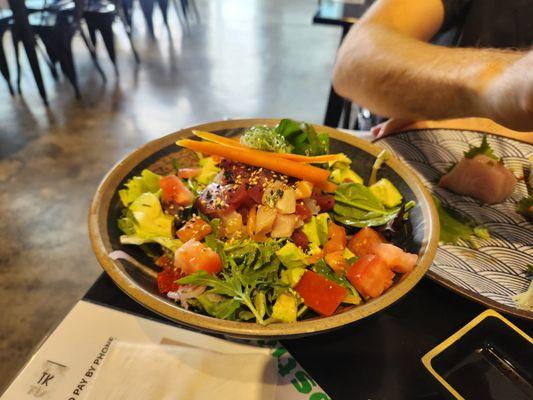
(55, 24)
(100, 16)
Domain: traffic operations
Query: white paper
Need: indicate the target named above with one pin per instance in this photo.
(68, 363)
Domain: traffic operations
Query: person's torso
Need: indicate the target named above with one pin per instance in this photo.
(491, 23)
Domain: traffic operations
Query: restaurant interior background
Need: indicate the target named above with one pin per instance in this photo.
(244, 58)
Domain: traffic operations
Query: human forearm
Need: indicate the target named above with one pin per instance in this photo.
(401, 77)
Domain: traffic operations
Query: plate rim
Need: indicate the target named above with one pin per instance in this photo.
(434, 276)
(115, 269)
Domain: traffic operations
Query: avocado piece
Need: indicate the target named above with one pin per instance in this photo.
(339, 175)
(386, 192)
(285, 308)
(292, 256)
(352, 299)
(292, 276)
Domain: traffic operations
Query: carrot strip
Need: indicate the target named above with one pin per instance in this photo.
(312, 159)
(328, 186)
(218, 139)
(211, 137)
(261, 159)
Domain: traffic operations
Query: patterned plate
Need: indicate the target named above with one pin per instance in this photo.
(495, 270)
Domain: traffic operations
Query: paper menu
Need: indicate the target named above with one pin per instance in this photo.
(67, 362)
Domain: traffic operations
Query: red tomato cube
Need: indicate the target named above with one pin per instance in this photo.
(319, 293)
(363, 242)
(174, 190)
(370, 276)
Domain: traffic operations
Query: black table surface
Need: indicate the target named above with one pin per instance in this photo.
(341, 13)
(375, 358)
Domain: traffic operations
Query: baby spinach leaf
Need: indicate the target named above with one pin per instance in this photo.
(358, 196)
(303, 137)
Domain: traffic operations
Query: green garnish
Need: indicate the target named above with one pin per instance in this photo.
(455, 227)
(525, 207)
(484, 149)
(261, 137)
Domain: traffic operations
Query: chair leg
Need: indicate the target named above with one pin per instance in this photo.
(195, 10)
(185, 9)
(163, 6)
(133, 50)
(16, 39)
(128, 28)
(178, 13)
(50, 57)
(92, 51)
(24, 33)
(126, 12)
(106, 30)
(67, 64)
(4, 67)
(147, 7)
(92, 33)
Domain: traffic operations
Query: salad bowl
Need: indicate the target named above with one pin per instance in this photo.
(106, 209)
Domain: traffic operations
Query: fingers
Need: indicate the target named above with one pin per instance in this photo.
(389, 127)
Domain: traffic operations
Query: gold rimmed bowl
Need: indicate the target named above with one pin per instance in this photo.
(104, 233)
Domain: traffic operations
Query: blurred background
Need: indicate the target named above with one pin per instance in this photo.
(216, 59)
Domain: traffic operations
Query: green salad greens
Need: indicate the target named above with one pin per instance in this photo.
(455, 227)
(241, 242)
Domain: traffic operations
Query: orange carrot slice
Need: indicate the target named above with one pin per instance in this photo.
(263, 159)
(328, 186)
(211, 137)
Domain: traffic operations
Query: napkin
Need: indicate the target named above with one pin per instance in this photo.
(134, 371)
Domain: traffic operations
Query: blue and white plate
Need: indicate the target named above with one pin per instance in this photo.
(491, 271)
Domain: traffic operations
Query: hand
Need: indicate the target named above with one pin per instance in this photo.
(509, 97)
(389, 127)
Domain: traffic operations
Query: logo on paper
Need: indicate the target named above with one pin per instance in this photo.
(46, 379)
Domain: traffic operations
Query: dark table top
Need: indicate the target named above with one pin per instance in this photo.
(375, 358)
(341, 13)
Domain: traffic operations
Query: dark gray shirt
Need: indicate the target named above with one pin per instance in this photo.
(487, 23)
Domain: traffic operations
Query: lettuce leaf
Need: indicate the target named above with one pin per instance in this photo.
(223, 309)
(171, 244)
(145, 222)
(146, 182)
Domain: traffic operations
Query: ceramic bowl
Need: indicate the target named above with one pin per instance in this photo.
(156, 155)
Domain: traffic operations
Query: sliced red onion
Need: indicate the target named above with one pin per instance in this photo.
(186, 292)
(312, 205)
(121, 255)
